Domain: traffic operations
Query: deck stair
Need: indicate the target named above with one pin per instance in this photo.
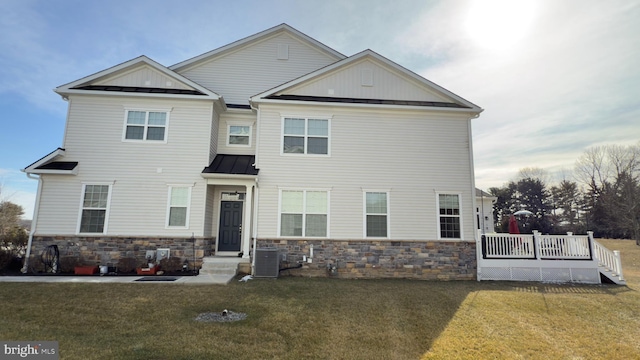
(609, 263)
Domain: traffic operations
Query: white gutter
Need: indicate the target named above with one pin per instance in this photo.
(34, 223)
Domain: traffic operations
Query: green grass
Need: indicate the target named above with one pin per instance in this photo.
(293, 318)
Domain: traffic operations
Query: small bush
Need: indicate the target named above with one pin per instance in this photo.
(126, 265)
(68, 263)
(6, 257)
(171, 264)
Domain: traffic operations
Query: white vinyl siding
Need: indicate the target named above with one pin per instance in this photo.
(376, 209)
(304, 213)
(94, 208)
(178, 204)
(382, 83)
(243, 124)
(412, 154)
(144, 76)
(252, 69)
(139, 173)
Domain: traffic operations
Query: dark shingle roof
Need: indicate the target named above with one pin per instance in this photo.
(366, 101)
(136, 89)
(58, 165)
(232, 164)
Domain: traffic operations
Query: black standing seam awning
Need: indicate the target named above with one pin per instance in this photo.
(232, 164)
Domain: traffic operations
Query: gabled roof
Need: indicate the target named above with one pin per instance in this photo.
(47, 165)
(255, 38)
(87, 85)
(456, 102)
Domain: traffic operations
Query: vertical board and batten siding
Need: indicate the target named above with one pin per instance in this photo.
(144, 77)
(412, 154)
(140, 171)
(348, 83)
(248, 118)
(255, 68)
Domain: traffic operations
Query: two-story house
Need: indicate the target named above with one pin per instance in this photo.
(353, 164)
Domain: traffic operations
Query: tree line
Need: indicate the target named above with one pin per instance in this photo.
(602, 196)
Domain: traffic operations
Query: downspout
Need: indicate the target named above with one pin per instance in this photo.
(256, 193)
(255, 228)
(34, 222)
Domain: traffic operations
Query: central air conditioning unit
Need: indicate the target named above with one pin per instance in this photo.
(267, 263)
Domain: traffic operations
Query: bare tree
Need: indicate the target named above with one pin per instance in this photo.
(612, 176)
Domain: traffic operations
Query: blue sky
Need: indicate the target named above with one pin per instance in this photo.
(554, 77)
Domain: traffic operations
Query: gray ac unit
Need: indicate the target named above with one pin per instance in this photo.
(267, 263)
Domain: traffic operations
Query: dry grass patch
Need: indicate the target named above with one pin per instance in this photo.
(292, 318)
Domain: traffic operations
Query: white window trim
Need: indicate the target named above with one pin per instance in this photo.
(107, 210)
(459, 216)
(364, 212)
(147, 110)
(231, 123)
(168, 211)
(304, 203)
(306, 136)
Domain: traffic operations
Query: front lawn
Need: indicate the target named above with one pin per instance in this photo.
(294, 318)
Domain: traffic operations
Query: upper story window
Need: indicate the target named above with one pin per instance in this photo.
(239, 135)
(146, 125)
(305, 136)
(449, 216)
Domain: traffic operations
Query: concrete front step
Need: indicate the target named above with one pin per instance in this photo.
(221, 265)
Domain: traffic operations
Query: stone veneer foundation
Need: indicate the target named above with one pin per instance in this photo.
(426, 260)
(107, 250)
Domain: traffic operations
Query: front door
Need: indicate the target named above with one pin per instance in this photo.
(230, 234)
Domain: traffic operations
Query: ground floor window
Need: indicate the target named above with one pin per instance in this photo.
(449, 216)
(376, 206)
(178, 206)
(304, 213)
(94, 208)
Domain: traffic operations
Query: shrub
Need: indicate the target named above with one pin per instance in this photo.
(126, 265)
(6, 257)
(171, 264)
(68, 263)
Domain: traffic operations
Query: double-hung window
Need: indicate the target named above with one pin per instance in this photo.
(304, 213)
(178, 206)
(305, 136)
(376, 207)
(449, 216)
(94, 208)
(239, 135)
(143, 125)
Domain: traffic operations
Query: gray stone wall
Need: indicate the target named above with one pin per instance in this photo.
(427, 260)
(108, 250)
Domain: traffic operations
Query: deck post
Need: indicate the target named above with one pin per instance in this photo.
(536, 243)
(616, 253)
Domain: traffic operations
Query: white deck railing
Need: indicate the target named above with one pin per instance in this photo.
(537, 257)
(536, 246)
(609, 259)
(508, 246)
